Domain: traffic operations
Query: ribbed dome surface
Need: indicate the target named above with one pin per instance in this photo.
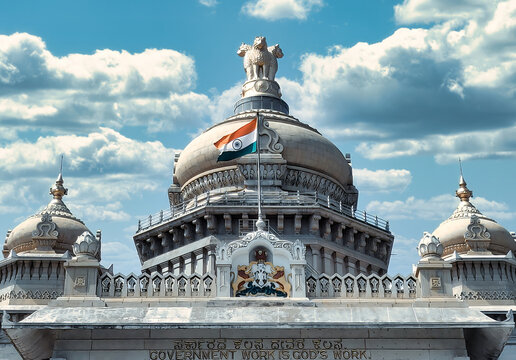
(302, 145)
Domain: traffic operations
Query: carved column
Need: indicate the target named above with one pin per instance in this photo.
(297, 224)
(281, 219)
(352, 266)
(339, 264)
(187, 264)
(176, 266)
(328, 267)
(339, 237)
(245, 222)
(199, 261)
(316, 257)
(210, 259)
(327, 229)
(227, 223)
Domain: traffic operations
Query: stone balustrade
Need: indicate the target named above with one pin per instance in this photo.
(190, 286)
(157, 285)
(361, 286)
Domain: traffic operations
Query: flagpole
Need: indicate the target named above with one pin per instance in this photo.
(260, 224)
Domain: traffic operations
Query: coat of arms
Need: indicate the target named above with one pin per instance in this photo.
(261, 278)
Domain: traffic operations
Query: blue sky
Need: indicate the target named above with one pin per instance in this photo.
(406, 87)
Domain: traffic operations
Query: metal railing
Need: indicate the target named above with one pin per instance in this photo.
(250, 198)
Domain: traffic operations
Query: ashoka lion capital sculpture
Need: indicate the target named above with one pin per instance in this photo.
(260, 61)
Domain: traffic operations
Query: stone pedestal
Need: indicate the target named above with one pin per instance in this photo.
(81, 277)
(434, 279)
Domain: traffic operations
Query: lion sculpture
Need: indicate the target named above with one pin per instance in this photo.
(260, 61)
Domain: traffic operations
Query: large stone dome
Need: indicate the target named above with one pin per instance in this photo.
(53, 229)
(467, 226)
(301, 147)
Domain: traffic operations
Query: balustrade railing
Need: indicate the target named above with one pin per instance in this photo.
(157, 285)
(361, 286)
(247, 198)
(317, 286)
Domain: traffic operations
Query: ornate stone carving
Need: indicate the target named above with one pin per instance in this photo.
(486, 295)
(430, 247)
(299, 179)
(260, 61)
(268, 171)
(272, 143)
(86, 245)
(212, 181)
(29, 294)
(298, 250)
(46, 228)
(476, 236)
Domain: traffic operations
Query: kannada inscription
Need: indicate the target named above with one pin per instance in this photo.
(259, 349)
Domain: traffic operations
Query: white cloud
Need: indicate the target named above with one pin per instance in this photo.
(426, 11)
(281, 9)
(435, 208)
(448, 148)
(382, 180)
(208, 3)
(446, 90)
(102, 152)
(154, 88)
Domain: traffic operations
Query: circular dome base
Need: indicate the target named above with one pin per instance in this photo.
(261, 103)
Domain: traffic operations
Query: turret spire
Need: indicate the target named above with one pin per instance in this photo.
(58, 190)
(463, 193)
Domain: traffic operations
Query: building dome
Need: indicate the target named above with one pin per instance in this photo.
(296, 157)
(53, 229)
(467, 226)
(302, 146)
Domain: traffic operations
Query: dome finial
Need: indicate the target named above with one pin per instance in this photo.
(58, 190)
(463, 193)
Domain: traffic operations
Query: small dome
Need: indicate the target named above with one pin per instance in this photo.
(52, 229)
(452, 233)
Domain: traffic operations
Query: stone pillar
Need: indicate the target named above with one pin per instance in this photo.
(281, 224)
(327, 229)
(210, 266)
(350, 237)
(433, 273)
(297, 224)
(81, 277)
(339, 237)
(187, 261)
(328, 267)
(339, 264)
(176, 266)
(227, 224)
(316, 257)
(199, 261)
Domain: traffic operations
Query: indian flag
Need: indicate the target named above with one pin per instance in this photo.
(238, 143)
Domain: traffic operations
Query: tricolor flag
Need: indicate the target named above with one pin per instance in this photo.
(238, 143)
